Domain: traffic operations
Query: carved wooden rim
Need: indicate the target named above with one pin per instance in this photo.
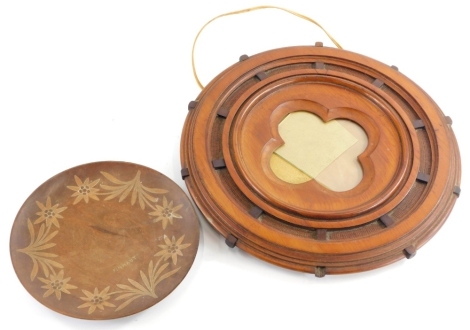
(228, 138)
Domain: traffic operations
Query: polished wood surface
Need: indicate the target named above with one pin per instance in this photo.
(104, 240)
(411, 166)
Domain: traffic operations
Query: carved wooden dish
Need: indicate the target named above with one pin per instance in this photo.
(104, 240)
(409, 167)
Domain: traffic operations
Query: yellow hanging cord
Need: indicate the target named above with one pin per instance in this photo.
(248, 10)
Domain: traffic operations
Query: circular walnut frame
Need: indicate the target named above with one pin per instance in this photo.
(411, 165)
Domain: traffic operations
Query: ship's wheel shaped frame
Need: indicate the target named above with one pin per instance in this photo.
(411, 165)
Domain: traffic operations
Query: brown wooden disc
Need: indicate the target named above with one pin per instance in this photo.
(411, 165)
(104, 240)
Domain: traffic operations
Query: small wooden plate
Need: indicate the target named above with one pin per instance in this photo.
(104, 240)
(411, 164)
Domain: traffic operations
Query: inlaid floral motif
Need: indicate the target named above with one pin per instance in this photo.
(137, 290)
(49, 213)
(124, 188)
(172, 248)
(36, 247)
(166, 213)
(96, 300)
(56, 284)
(84, 190)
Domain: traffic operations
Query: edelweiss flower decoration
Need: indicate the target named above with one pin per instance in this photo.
(49, 213)
(96, 300)
(56, 284)
(84, 190)
(172, 248)
(166, 213)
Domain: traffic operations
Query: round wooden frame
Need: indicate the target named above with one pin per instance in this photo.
(411, 165)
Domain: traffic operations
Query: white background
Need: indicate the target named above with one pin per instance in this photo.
(84, 81)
